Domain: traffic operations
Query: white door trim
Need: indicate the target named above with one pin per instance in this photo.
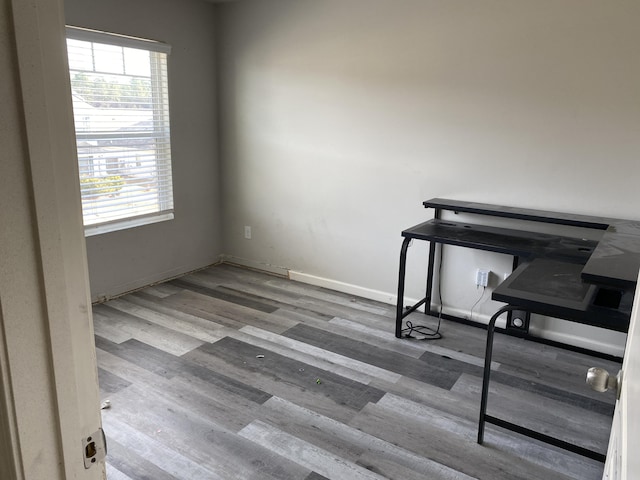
(50, 397)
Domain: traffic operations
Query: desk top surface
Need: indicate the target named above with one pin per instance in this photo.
(615, 260)
(519, 243)
(555, 288)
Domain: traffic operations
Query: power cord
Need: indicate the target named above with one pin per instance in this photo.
(428, 332)
(484, 289)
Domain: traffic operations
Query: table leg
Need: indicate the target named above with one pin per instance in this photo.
(401, 275)
(432, 257)
(487, 369)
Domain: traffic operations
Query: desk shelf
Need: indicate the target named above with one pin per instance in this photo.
(541, 216)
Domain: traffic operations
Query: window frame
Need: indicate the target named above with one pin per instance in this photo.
(165, 201)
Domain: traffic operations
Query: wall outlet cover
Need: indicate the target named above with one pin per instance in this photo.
(482, 277)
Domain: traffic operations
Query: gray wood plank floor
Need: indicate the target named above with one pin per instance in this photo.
(229, 373)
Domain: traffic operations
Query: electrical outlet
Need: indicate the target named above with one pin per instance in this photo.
(247, 232)
(518, 322)
(482, 277)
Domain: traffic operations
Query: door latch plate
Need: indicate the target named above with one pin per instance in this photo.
(94, 448)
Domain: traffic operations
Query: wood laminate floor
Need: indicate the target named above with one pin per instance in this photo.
(234, 374)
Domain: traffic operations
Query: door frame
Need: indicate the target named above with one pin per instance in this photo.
(49, 396)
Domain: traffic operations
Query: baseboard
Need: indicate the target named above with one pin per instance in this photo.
(255, 265)
(343, 287)
(148, 281)
(481, 318)
(582, 342)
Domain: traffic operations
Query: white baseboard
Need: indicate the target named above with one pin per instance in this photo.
(478, 317)
(343, 287)
(390, 298)
(582, 342)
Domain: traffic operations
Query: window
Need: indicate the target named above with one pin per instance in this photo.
(121, 113)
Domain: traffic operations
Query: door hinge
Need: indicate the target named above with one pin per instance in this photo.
(94, 448)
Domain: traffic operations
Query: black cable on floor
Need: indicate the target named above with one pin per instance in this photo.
(428, 332)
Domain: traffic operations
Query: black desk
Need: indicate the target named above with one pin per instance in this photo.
(611, 261)
(584, 281)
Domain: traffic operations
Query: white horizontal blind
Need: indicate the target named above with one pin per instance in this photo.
(121, 113)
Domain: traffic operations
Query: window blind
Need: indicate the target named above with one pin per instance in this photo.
(121, 113)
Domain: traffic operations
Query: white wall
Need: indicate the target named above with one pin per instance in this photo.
(341, 117)
(128, 259)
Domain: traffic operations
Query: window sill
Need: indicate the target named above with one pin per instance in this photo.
(114, 226)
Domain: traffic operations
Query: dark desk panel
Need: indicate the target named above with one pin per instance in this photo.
(556, 289)
(615, 261)
(542, 216)
(520, 243)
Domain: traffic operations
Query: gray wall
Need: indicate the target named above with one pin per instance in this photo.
(124, 260)
(341, 117)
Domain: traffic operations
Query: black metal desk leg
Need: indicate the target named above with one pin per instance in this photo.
(400, 302)
(487, 369)
(432, 256)
(437, 213)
